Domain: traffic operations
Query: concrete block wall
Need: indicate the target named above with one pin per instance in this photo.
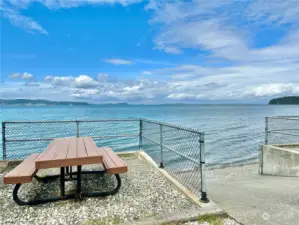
(279, 160)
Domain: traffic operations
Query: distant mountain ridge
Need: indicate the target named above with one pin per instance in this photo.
(33, 102)
(289, 100)
(39, 102)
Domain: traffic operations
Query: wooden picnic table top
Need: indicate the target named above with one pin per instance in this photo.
(63, 152)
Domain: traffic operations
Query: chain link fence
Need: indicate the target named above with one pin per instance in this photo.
(20, 139)
(180, 151)
(282, 130)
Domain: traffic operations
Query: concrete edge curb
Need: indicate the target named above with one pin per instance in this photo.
(210, 205)
(175, 217)
(127, 154)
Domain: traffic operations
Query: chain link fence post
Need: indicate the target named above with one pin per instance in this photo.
(140, 134)
(161, 147)
(77, 130)
(3, 142)
(266, 130)
(204, 197)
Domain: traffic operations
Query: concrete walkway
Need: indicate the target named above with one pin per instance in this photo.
(254, 199)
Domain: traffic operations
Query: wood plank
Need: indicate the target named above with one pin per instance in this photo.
(49, 152)
(63, 149)
(76, 154)
(24, 172)
(72, 151)
(112, 163)
(91, 147)
(81, 150)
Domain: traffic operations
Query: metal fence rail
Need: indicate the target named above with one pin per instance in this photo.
(282, 130)
(19, 139)
(180, 151)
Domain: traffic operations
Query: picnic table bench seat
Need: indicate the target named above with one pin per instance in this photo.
(24, 172)
(112, 163)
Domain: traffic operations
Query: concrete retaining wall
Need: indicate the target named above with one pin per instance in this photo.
(280, 160)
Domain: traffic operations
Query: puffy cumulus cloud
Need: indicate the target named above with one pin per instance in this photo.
(116, 61)
(22, 76)
(253, 80)
(273, 90)
(110, 89)
(82, 81)
(132, 90)
(182, 83)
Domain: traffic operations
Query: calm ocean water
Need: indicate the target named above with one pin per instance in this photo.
(233, 132)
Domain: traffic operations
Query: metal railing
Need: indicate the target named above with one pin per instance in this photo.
(282, 130)
(21, 138)
(180, 151)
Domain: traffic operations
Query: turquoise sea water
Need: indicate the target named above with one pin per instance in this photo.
(233, 132)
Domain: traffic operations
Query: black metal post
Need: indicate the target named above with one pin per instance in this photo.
(140, 134)
(266, 131)
(204, 197)
(3, 142)
(67, 171)
(78, 180)
(161, 147)
(62, 182)
(71, 172)
(77, 131)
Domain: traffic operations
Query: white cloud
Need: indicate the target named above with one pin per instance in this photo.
(102, 76)
(146, 72)
(229, 65)
(84, 86)
(116, 61)
(225, 31)
(273, 12)
(56, 4)
(216, 28)
(24, 76)
(274, 90)
(82, 81)
(11, 10)
(24, 22)
(84, 93)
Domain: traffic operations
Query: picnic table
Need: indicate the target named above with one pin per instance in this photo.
(65, 153)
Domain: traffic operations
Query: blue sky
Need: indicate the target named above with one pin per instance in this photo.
(150, 51)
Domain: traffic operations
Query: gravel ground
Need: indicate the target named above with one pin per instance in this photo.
(144, 193)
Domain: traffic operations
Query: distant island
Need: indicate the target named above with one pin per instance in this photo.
(289, 100)
(42, 102)
(29, 102)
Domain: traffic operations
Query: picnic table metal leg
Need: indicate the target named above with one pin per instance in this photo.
(62, 182)
(78, 180)
(71, 173)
